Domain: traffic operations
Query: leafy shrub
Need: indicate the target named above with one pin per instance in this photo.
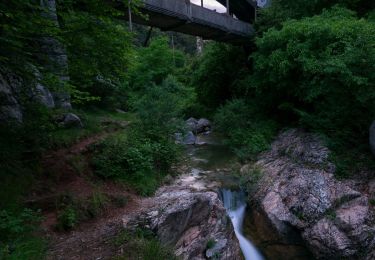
(216, 72)
(154, 63)
(142, 244)
(100, 57)
(320, 69)
(67, 218)
(135, 159)
(17, 240)
(160, 107)
(246, 132)
(96, 204)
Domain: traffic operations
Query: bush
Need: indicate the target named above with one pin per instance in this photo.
(17, 240)
(247, 133)
(160, 107)
(142, 244)
(320, 69)
(216, 72)
(135, 159)
(67, 218)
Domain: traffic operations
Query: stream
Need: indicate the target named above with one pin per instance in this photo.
(215, 164)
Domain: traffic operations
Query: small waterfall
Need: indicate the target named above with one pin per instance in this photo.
(235, 204)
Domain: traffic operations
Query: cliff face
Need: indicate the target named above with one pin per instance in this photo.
(294, 186)
(188, 220)
(52, 55)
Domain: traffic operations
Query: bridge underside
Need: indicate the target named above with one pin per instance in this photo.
(176, 15)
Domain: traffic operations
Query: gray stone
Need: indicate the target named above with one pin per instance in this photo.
(71, 120)
(185, 220)
(203, 125)
(198, 126)
(372, 137)
(54, 56)
(10, 108)
(327, 241)
(191, 124)
(44, 96)
(189, 138)
(297, 190)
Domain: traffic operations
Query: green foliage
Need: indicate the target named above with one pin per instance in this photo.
(283, 10)
(135, 160)
(99, 58)
(320, 70)
(246, 131)
(67, 218)
(72, 210)
(154, 63)
(210, 243)
(216, 72)
(159, 107)
(142, 244)
(16, 235)
(20, 23)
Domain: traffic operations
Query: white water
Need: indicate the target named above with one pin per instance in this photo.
(234, 203)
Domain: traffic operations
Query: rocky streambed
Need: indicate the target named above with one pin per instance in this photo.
(189, 214)
(296, 209)
(298, 200)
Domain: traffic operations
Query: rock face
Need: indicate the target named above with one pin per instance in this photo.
(69, 120)
(198, 126)
(53, 55)
(187, 220)
(372, 137)
(296, 190)
(10, 108)
(44, 96)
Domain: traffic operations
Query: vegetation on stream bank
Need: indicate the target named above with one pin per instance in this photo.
(312, 66)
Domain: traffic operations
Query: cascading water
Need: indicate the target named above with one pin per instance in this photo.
(234, 203)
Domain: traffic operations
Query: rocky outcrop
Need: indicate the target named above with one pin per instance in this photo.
(53, 56)
(10, 108)
(69, 120)
(294, 186)
(372, 137)
(198, 126)
(187, 220)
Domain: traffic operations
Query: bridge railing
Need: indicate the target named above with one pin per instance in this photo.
(196, 14)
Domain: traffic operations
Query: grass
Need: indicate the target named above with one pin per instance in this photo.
(210, 243)
(141, 244)
(18, 225)
(72, 211)
(94, 121)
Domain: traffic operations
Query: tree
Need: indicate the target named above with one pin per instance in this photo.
(320, 69)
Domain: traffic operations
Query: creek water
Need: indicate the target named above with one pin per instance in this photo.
(216, 162)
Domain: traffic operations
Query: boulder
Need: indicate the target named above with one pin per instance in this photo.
(44, 96)
(296, 190)
(69, 120)
(191, 124)
(198, 126)
(10, 108)
(188, 139)
(372, 137)
(186, 221)
(203, 125)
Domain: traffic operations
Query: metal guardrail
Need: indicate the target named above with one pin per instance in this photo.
(196, 14)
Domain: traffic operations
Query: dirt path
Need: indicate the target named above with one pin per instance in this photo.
(91, 239)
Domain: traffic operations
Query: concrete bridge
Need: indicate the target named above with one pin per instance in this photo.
(182, 16)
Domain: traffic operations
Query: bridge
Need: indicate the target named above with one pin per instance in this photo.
(182, 16)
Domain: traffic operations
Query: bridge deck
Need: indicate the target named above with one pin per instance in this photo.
(177, 15)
